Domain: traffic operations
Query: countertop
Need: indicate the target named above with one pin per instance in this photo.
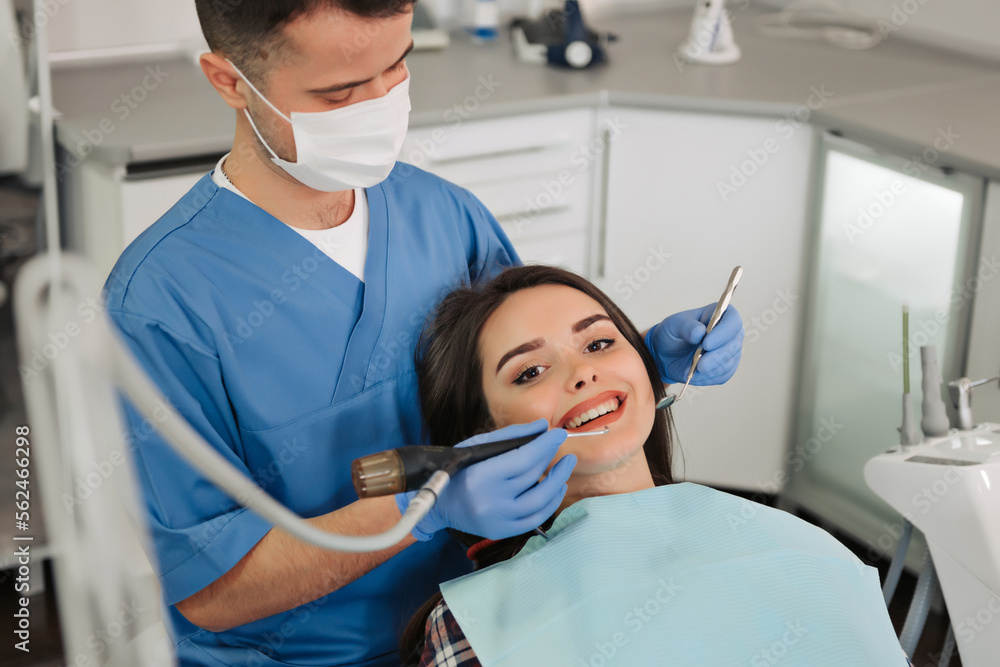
(899, 96)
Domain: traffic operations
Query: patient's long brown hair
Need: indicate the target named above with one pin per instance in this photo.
(449, 368)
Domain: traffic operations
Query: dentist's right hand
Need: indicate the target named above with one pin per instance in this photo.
(501, 496)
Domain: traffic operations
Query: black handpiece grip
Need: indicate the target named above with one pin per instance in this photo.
(419, 463)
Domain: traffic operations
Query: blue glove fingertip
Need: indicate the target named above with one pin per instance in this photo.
(695, 332)
(563, 468)
(403, 501)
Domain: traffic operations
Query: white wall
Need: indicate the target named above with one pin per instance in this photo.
(972, 26)
(98, 24)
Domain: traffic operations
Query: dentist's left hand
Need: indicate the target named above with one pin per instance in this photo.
(501, 496)
(674, 341)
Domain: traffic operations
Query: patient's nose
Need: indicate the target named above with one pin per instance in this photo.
(583, 374)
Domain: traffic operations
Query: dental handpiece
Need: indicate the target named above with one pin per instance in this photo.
(407, 468)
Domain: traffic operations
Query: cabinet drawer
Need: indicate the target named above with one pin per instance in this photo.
(533, 206)
(433, 148)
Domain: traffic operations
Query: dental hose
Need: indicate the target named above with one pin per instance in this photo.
(896, 567)
(949, 648)
(189, 443)
(920, 606)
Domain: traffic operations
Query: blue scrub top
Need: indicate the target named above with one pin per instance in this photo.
(291, 368)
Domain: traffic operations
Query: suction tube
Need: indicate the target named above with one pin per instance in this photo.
(920, 606)
(896, 567)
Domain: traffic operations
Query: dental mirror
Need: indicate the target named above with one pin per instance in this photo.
(720, 309)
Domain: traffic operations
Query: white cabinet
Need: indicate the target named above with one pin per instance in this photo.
(104, 208)
(690, 196)
(533, 172)
(984, 339)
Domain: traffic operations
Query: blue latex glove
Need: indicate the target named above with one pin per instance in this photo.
(674, 341)
(501, 496)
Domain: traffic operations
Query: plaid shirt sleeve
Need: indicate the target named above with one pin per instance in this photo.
(445, 644)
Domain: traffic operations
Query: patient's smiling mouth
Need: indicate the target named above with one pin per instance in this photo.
(603, 409)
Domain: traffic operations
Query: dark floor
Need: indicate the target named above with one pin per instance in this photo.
(17, 216)
(18, 206)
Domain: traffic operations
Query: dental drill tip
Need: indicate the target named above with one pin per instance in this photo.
(541, 532)
(576, 434)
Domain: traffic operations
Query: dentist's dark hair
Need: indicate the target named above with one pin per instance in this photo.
(249, 32)
(450, 377)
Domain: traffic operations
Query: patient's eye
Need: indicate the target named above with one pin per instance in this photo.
(528, 374)
(600, 344)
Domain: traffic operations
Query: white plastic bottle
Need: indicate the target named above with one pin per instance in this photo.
(485, 20)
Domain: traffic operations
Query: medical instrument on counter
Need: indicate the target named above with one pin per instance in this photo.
(831, 23)
(720, 309)
(710, 41)
(485, 20)
(960, 391)
(561, 38)
(407, 468)
(934, 422)
(908, 428)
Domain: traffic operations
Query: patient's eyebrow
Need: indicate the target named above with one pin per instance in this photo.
(587, 321)
(520, 349)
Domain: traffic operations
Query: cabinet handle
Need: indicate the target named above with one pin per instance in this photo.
(602, 221)
(514, 216)
(499, 153)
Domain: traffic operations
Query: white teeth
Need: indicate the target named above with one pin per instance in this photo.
(595, 412)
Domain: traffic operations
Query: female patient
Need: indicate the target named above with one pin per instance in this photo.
(538, 342)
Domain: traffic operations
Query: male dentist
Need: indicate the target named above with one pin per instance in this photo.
(277, 305)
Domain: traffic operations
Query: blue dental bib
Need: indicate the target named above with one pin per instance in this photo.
(677, 575)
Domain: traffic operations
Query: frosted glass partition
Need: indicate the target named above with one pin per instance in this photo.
(887, 232)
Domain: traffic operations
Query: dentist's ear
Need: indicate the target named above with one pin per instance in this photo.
(223, 78)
